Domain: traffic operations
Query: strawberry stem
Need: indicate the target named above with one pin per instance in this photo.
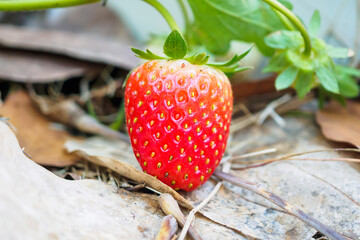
(28, 5)
(165, 13)
(298, 24)
(185, 15)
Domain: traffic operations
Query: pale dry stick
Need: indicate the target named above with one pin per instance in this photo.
(189, 218)
(354, 160)
(235, 158)
(168, 228)
(294, 103)
(257, 153)
(260, 190)
(270, 111)
(170, 206)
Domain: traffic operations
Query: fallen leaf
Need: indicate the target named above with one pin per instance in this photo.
(328, 191)
(340, 124)
(39, 205)
(41, 141)
(118, 156)
(24, 66)
(80, 46)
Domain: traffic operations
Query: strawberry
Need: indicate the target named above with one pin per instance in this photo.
(178, 113)
(178, 117)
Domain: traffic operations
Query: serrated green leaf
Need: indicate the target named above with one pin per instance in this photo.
(304, 83)
(175, 45)
(348, 87)
(234, 60)
(148, 55)
(198, 59)
(218, 22)
(338, 52)
(286, 78)
(284, 39)
(277, 63)
(327, 79)
(314, 25)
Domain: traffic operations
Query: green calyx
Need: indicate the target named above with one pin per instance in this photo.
(175, 47)
(316, 70)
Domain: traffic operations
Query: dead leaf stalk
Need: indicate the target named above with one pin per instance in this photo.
(168, 228)
(170, 206)
(260, 190)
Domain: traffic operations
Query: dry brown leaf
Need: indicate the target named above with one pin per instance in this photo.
(340, 124)
(24, 66)
(39, 205)
(115, 155)
(42, 142)
(80, 46)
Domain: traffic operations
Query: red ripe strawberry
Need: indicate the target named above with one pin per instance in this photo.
(178, 117)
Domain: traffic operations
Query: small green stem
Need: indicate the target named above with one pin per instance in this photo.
(165, 13)
(298, 24)
(185, 14)
(29, 5)
(286, 21)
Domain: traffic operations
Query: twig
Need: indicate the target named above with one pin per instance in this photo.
(248, 120)
(136, 187)
(270, 111)
(170, 206)
(26, 154)
(235, 158)
(192, 213)
(254, 154)
(168, 228)
(258, 189)
(298, 159)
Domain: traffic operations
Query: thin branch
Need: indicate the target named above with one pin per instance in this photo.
(189, 218)
(236, 158)
(258, 189)
(298, 159)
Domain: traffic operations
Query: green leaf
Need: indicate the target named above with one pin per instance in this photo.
(148, 55)
(218, 22)
(277, 63)
(198, 59)
(286, 3)
(350, 71)
(315, 23)
(321, 97)
(304, 83)
(284, 40)
(327, 79)
(232, 65)
(338, 52)
(175, 46)
(233, 60)
(286, 78)
(348, 87)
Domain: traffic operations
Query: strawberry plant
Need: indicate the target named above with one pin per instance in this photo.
(178, 105)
